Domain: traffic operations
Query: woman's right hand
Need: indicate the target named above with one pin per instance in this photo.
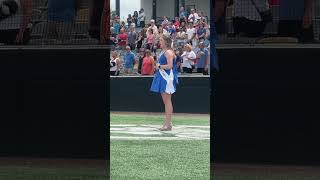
(157, 66)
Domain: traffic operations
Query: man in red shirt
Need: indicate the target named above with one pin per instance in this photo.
(122, 39)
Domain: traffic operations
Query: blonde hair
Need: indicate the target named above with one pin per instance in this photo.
(148, 52)
(188, 47)
(167, 39)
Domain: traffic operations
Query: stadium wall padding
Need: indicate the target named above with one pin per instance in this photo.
(53, 103)
(266, 105)
(133, 94)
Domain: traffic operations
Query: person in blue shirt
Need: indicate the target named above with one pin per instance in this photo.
(201, 33)
(129, 61)
(203, 59)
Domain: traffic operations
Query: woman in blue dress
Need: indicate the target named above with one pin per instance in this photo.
(165, 78)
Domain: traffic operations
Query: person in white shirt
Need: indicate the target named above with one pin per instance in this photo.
(191, 33)
(193, 17)
(181, 37)
(188, 57)
(115, 64)
(153, 27)
(142, 18)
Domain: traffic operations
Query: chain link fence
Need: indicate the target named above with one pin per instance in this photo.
(52, 22)
(249, 21)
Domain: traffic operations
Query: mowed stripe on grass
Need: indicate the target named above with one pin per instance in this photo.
(135, 156)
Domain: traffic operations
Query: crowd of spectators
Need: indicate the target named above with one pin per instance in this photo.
(136, 43)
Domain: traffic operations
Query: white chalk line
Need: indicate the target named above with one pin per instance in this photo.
(151, 132)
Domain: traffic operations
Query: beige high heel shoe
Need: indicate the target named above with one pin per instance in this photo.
(166, 127)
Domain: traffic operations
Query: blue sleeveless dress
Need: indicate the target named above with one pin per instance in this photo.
(165, 83)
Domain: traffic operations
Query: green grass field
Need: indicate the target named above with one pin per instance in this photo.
(160, 159)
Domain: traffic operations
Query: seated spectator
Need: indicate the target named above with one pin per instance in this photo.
(115, 64)
(296, 19)
(247, 20)
(129, 61)
(141, 56)
(188, 58)
(15, 18)
(202, 59)
(148, 64)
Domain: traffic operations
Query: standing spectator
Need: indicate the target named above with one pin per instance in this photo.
(247, 20)
(165, 21)
(201, 32)
(296, 19)
(176, 22)
(183, 14)
(15, 17)
(188, 59)
(202, 18)
(150, 39)
(193, 17)
(95, 15)
(115, 64)
(129, 20)
(122, 39)
(153, 27)
(135, 18)
(191, 33)
(140, 41)
(61, 16)
(181, 38)
(171, 29)
(142, 18)
(141, 56)
(183, 25)
(116, 26)
(129, 61)
(203, 59)
(178, 60)
(132, 38)
(148, 64)
(112, 37)
(220, 15)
